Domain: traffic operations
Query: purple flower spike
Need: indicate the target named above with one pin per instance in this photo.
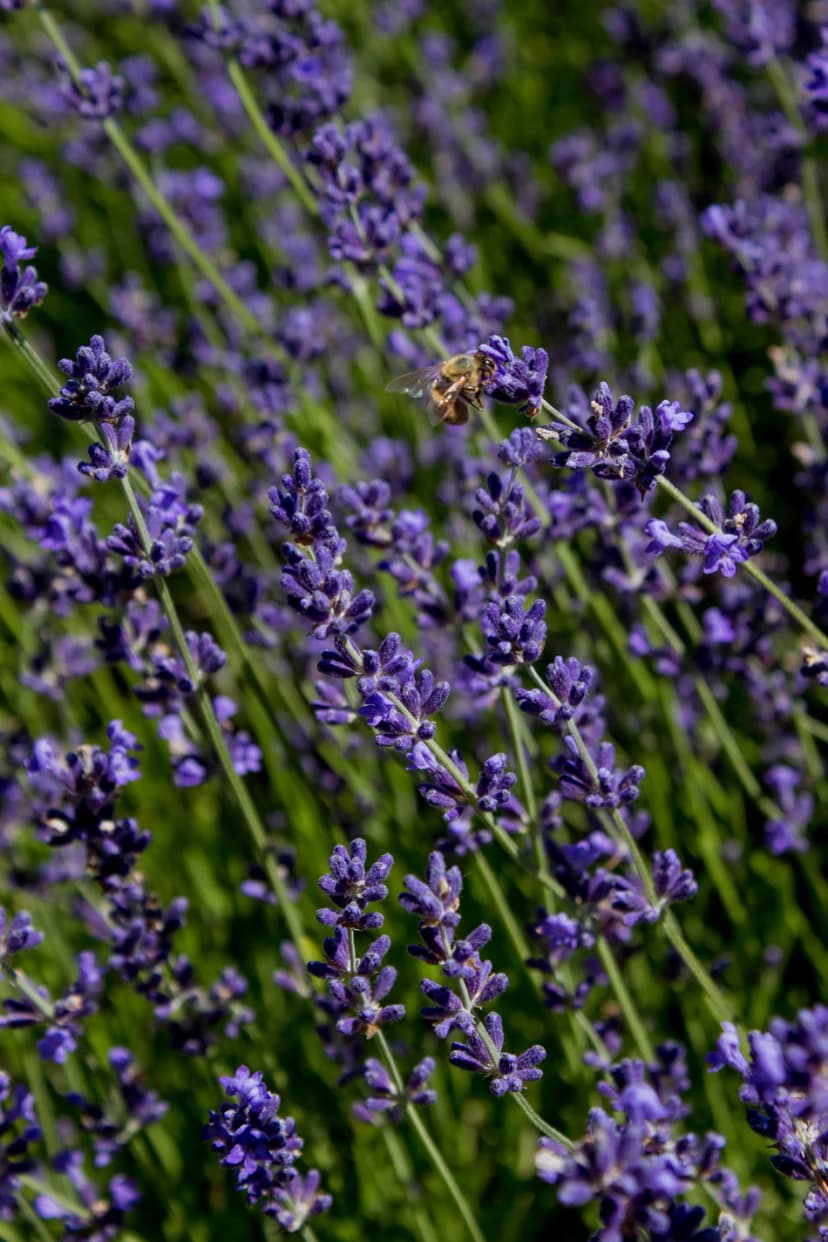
(110, 460)
(17, 934)
(486, 1056)
(20, 291)
(517, 381)
(97, 94)
(613, 447)
(386, 1100)
(514, 635)
(262, 1148)
(93, 377)
(352, 886)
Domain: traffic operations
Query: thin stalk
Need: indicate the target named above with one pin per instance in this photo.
(501, 905)
(715, 998)
(538, 1122)
(525, 781)
(433, 1152)
(267, 136)
(136, 167)
(625, 1000)
(239, 790)
(405, 1176)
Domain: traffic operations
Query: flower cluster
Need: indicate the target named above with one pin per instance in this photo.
(370, 194)
(435, 902)
(93, 379)
(96, 93)
(76, 797)
(19, 1129)
(785, 1085)
(612, 446)
(638, 1170)
(357, 986)
(20, 290)
(517, 381)
(302, 54)
(740, 535)
(315, 587)
(262, 1148)
(170, 521)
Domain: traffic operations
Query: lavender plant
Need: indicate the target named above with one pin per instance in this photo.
(541, 688)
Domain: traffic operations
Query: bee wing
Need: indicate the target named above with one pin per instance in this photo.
(415, 383)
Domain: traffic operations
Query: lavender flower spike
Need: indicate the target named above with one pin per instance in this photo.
(262, 1148)
(517, 381)
(93, 378)
(20, 291)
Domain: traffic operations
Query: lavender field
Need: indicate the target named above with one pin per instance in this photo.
(413, 620)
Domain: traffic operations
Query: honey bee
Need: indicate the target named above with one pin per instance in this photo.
(450, 387)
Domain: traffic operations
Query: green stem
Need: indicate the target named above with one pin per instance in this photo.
(268, 138)
(433, 1152)
(30, 355)
(136, 167)
(237, 786)
(715, 998)
(501, 905)
(512, 716)
(625, 1000)
(24, 984)
(538, 1121)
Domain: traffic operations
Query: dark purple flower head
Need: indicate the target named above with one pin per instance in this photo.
(484, 1055)
(93, 378)
(614, 447)
(87, 777)
(360, 987)
(352, 886)
(262, 1148)
(19, 1129)
(101, 1218)
(672, 883)
(401, 714)
(816, 85)
(80, 1000)
(110, 459)
(20, 291)
(97, 93)
(17, 934)
(517, 381)
(514, 634)
(759, 28)
(637, 1169)
(370, 196)
(171, 522)
(599, 783)
(503, 513)
(386, 1100)
(436, 900)
(788, 831)
(569, 681)
(785, 1085)
(741, 534)
(315, 586)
